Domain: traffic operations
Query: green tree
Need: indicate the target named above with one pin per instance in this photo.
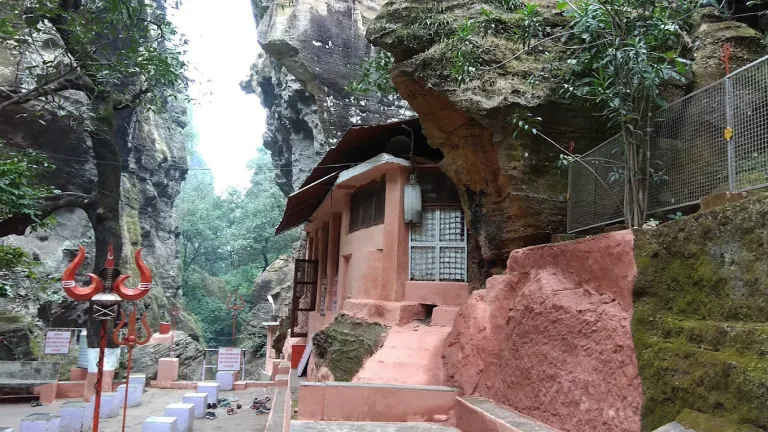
(21, 186)
(123, 55)
(627, 49)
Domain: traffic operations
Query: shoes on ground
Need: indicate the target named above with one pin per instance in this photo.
(210, 415)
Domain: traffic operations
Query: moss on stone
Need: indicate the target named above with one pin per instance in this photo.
(700, 317)
(343, 346)
(706, 423)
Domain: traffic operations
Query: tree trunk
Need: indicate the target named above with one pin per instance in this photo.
(105, 219)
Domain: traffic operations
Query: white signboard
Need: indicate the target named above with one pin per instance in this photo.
(229, 359)
(57, 342)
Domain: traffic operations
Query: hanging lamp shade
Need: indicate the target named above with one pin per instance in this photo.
(412, 201)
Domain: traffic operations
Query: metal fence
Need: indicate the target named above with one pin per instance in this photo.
(690, 157)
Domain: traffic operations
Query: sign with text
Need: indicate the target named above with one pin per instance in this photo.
(57, 342)
(229, 359)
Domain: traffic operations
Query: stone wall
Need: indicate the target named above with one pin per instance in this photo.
(551, 337)
(701, 308)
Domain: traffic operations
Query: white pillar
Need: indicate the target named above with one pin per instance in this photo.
(199, 400)
(159, 424)
(184, 413)
(76, 416)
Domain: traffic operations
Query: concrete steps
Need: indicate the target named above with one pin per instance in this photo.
(482, 415)
(306, 426)
(411, 355)
(444, 316)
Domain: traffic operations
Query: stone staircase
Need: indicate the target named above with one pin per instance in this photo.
(411, 355)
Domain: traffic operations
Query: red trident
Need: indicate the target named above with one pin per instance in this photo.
(130, 340)
(235, 304)
(104, 302)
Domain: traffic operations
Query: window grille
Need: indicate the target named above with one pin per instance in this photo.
(367, 205)
(438, 246)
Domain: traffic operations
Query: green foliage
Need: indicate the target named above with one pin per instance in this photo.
(128, 49)
(374, 75)
(13, 258)
(466, 52)
(510, 5)
(21, 185)
(227, 241)
(622, 54)
(531, 26)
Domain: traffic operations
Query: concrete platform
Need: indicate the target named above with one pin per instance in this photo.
(199, 400)
(160, 424)
(184, 413)
(76, 416)
(40, 422)
(304, 426)
(483, 415)
(138, 378)
(110, 406)
(210, 387)
(135, 392)
(226, 379)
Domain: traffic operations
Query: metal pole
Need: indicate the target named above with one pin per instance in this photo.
(99, 375)
(729, 134)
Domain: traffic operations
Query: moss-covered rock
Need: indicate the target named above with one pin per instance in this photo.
(17, 338)
(343, 346)
(706, 423)
(700, 322)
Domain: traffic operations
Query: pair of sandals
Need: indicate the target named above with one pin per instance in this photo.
(231, 411)
(210, 415)
(212, 406)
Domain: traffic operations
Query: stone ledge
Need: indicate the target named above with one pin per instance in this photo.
(173, 385)
(483, 415)
(379, 386)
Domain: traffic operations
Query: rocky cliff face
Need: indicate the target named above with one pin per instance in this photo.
(154, 163)
(518, 198)
(312, 52)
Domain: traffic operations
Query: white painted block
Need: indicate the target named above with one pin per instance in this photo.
(110, 407)
(199, 400)
(184, 413)
(212, 388)
(138, 378)
(159, 424)
(75, 416)
(226, 379)
(134, 395)
(6, 429)
(40, 422)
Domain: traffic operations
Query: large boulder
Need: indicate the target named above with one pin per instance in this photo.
(313, 51)
(275, 281)
(551, 338)
(187, 350)
(517, 199)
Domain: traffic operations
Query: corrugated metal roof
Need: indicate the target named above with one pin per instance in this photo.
(359, 144)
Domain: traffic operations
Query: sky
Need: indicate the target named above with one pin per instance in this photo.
(222, 47)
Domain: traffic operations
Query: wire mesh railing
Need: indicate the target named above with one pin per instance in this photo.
(691, 156)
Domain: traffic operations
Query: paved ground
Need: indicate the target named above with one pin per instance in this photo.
(154, 403)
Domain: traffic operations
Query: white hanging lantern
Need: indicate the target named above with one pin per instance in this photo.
(412, 201)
